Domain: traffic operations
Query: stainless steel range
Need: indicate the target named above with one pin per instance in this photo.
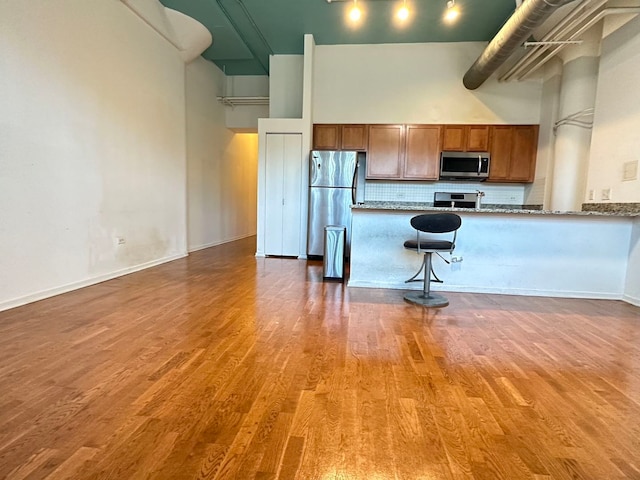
(457, 200)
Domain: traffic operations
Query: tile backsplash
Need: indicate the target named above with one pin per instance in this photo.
(389, 191)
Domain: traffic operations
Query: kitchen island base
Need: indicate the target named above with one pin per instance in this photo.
(556, 255)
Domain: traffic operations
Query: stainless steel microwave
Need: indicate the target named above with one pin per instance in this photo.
(472, 166)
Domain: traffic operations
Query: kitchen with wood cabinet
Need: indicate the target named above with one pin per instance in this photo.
(412, 152)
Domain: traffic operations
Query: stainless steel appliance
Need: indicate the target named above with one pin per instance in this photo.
(336, 181)
(464, 165)
(333, 261)
(457, 200)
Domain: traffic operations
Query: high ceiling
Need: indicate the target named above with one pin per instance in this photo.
(246, 32)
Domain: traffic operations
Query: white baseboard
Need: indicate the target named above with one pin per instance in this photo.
(220, 242)
(631, 299)
(496, 291)
(52, 292)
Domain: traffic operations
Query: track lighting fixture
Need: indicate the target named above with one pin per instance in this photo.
(403, 12)
(354, 12)
(452, 11)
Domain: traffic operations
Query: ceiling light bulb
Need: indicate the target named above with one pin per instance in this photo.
(354, 13)
(403, 12)
(452, 11)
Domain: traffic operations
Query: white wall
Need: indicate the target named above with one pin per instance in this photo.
(285, 87)
(615, 138)
(414, 83)
(222, 165)
(92, 146)
(632, 285)
(244, 118)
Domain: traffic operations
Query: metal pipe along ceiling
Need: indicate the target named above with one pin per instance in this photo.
(534, 60)
(519, 26)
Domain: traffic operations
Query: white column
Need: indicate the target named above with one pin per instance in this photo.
(572, 144)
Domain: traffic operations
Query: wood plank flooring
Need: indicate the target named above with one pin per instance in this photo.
(227, 366)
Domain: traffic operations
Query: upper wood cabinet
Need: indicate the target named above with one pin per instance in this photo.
(385, 151)
(422, 152)
(340, 137)
(513, 153)
(453, 138)
(465, 138)
(403, 152)
(354, 137)
(326, 137)
(477, 138)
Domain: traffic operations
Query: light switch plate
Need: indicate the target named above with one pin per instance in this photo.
(592, 195)
(630, 171)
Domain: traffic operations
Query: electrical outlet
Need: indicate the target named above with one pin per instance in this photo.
(120, 240)
(592, 195)
(606, 194)
(630, 171)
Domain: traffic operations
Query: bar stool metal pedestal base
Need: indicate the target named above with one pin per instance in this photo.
(426, 297)
(432, 300)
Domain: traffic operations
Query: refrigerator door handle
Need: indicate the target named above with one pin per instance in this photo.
(354, 183)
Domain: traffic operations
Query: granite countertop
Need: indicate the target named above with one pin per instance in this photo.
(488, 208)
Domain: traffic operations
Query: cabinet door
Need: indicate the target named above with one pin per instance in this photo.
(282, 191)
(477, 138)
(524, 148)
(354, 137)
(501, 138)
(326, 137)
(422, 152)
(453, 138)
(385, 151)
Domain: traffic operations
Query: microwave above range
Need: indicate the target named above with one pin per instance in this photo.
(470, 166)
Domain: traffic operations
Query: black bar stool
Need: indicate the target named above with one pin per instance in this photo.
(431, 223)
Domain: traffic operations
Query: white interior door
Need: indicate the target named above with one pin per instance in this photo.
(283, 188)
(274, 194)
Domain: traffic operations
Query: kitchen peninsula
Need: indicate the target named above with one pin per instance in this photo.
(511, 251)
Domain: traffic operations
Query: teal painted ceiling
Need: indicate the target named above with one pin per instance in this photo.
(246, 32)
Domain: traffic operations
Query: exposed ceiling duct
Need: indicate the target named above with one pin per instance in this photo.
(516, 30)
(566, 32)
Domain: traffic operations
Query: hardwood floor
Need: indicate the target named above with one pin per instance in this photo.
(224, 366)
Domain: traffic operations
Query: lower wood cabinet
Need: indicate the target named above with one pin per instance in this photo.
(513, 153)
(403, 152)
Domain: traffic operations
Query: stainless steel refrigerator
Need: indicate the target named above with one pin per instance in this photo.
(336, 181)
